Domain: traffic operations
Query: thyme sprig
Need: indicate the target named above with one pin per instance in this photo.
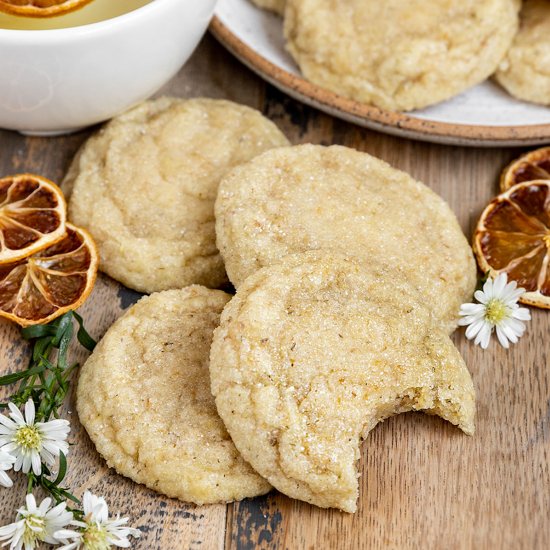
(46, 381)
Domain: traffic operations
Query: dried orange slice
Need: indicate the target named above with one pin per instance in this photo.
(41, 8)
(32, 216)
(532, 166)
(513, 237)
(41, 287)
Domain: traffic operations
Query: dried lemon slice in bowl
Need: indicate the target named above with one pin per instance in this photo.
(532, 166)
(32, 216)
(41, 8)
(513, 237)
(41, 287)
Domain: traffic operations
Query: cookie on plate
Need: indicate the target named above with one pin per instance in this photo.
(277, 6)
(145, 185)
(312, 353)
(525, 71)
(144, 398)
(399, 55)
(308, 197)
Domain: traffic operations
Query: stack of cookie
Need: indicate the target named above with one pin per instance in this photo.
(407, 55)
(349, 276)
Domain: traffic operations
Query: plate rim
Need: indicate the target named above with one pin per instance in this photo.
(366, 115)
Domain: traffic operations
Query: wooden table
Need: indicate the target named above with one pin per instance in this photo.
(424, 484)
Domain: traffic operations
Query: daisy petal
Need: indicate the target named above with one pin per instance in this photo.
(480, 296)
(499, 284)
(510, 333)
(484, 336)
(29, 412)
(471, 309)
(16, 415)
(502, 337)
(522, 313)
(475, 328)
(5, 480)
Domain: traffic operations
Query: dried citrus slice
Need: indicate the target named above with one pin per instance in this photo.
(532, 166)
(513, 236)
(32, 216)
(41, 287)
(40, 8)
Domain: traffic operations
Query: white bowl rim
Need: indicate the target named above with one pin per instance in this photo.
(45, 35)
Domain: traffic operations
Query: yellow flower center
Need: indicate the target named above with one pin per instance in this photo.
(495, 311)
(546, 240)
(34, 530)
(29, 437)
(95, 538)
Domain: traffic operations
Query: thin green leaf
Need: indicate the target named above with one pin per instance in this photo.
(41, 348)
(83, 337)
(37, 331)
(65, 325)
(8, 379)
(62, 469)
(47, 381)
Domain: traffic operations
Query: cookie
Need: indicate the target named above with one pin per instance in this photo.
(145, 185)
(399, 55)
(525, 71)
(144, 398)
(308, 197)
(276, 6)
(311, 354)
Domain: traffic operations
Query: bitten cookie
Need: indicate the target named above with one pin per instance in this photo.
(144, 398)
(310, 197)
(145, 185)
(312, 353)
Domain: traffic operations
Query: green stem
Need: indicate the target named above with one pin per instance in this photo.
(46, 381)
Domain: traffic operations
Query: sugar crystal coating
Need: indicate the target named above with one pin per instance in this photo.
(312, 353)
(145, 185)
(309, 197)
(144, 398)
(396, 54)
(525, 71)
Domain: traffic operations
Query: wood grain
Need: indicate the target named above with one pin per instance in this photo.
(424, 484)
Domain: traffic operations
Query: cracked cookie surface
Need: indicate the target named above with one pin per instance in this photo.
(145, 185)
(311, 354)
(525, 71)
(144, 398)
(308, 197)
(399, 55)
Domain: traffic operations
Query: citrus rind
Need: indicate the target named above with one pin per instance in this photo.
(533, 166)
(32, 216)
(41, 8)
(513, 237)
(39, 288)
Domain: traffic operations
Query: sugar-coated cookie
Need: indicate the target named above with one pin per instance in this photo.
(145, 185)
(395, 54)
(307, 197)
(312, 353)
(144, 398)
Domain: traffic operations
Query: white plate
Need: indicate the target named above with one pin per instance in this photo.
(484, 115)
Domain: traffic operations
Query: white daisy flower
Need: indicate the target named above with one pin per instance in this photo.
(6, 463)
(97, 531)
(36, 524)
(498, 311)
(30, 442)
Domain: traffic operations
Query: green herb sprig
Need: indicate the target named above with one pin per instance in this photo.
(46, 381)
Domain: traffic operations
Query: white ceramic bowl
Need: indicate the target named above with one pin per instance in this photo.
(57, 81)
